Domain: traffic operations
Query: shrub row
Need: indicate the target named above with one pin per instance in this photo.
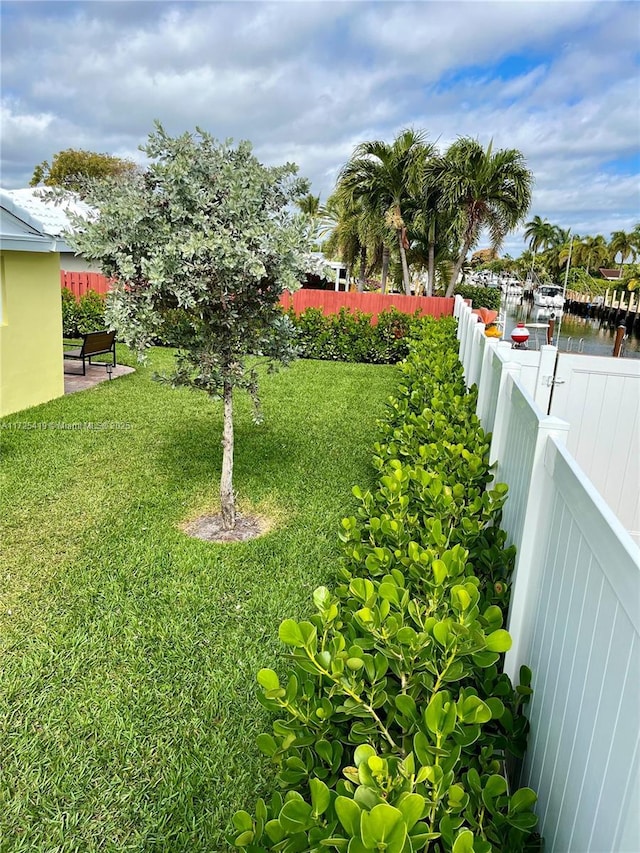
(482, 297)
(395, 722)
(351, 336)
(82, 315)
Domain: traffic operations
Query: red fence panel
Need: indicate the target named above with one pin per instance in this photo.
(80, 282)
(331, 301)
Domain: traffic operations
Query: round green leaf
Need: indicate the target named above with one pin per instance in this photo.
(290, 634)
(499, 641)
(348, 812)
(384, 824)
(464, 842)
(268, 679)
(243, 821)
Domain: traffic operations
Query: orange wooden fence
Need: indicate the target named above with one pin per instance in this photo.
(79, 282)
(328, 300)
(331, 302)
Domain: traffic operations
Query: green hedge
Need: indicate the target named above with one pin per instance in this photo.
(351, 336)
(481, 297)
(395, 723)
(82, 315)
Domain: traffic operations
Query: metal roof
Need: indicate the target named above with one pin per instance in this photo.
(44, 215)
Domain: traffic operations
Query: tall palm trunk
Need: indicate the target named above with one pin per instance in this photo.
(432, 268)
(405, 266)
(458, 266)
(385, 267)
(363, 268)
(227, 501)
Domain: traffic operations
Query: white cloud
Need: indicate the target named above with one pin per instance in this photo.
(308, 81)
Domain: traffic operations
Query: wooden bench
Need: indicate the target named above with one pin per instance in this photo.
(94, 343)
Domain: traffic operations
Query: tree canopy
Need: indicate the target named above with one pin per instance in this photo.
(72, 168)
(206, 230)
(385, 177)
(412, 207)
(486, 189)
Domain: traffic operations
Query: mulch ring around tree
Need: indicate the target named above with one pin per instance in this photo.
(210, 528)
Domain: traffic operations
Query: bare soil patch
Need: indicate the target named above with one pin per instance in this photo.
(210, 529)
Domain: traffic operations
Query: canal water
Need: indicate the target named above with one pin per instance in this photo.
(577, 334)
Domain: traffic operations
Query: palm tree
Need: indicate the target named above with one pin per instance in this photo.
(540, 233)
(348, 227)
(388, 179)
(621, 244)
(431, 230)
(484, 189)
(590, 251)
(310, 204)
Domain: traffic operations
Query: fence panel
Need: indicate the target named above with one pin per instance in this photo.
(584, 650)
(600, 397)
(331, 302)
(575, 607)
(80, 282)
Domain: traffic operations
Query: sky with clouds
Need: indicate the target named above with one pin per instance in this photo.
(307, 81)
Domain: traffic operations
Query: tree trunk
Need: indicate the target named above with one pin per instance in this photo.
(363, 268)
(227, 500)
(432, 269)
(405, 266)
(385, 267)
(458, 267)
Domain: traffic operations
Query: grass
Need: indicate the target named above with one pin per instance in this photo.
(130, 650)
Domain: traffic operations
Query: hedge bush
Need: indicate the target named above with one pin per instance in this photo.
(82, 315)
(351, 336)
(481, 297)
(395, 723)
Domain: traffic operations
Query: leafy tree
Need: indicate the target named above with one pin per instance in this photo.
(351, 233)
(622, 244)
(590, 251)
(631, 276)
(484, 189)
(208, 230)
(389, 180)
(72, 168)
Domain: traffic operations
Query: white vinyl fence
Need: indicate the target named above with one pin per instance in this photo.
(575, 603)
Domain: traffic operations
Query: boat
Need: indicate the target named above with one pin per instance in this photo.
(549, 297)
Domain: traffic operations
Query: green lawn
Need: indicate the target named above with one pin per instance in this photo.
(129, 651)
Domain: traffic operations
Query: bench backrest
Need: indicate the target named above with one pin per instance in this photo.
(97, 342)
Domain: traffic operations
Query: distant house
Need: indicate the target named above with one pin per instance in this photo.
(51, 220)
(611, 275)
(31, 359)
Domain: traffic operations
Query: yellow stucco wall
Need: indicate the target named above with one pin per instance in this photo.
(31, 362)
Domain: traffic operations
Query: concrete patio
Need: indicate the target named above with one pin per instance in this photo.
(96, 373)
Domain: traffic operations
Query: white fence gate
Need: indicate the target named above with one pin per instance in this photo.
(575, 605)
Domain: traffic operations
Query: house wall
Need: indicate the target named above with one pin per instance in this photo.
(31, 360)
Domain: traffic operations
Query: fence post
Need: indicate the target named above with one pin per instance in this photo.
(526, 578)
(546, 371)
(458, 302)
(462, 318)
(469, 343)
(509, 373)
(477, 351)
(484, 381)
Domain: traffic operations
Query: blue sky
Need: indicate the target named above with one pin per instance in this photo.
(308, 81)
